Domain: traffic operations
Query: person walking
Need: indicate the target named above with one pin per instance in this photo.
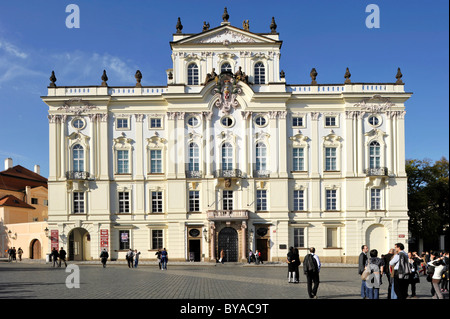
(387, 270)
(129, 257)
(402, 271)
(20, 252)
(164, 259)
(362, 262)
(55, 256)
(250, 256)
(415, 264)
(104, 257)
(311, 268)
(62, 257)
(158, 256)
(444, 281)
(222, 256)
(373, 281)
(136, 257)
(439, 267)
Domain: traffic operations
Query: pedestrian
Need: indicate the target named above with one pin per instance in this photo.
(290, 260)
(104, 257)
(136, 258)
(311, 268)
(14, 254)
(297, 265)
(250, 256)
(129, 257)
(362, 262)
(387, 270)
(164, 259)
(402, 271)
(437, 267)
(55, 256)
(444, 281)
(373, 281)
(62, 257)
(20, 252)
(257, 257)
(222, 256)
(158, 256)
(10, 254)
(415, 263)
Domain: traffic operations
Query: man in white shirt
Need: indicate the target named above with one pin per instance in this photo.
(401, 276)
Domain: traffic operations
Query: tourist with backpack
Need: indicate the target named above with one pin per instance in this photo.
(402, 271)
(373, 281)
(311, 268)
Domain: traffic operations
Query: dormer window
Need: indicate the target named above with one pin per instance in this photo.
(192, 74)
(260, 73)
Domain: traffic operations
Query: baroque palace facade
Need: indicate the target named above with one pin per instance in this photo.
(227, 156)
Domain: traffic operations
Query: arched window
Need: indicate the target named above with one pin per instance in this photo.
(227, 156)
(192, 74)
(260, 73)
(194, 158)
(78, 158)
(261, 154)
(226, 67)
(374, 155)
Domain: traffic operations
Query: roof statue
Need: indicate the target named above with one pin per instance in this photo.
(246, 25)
(211, 77)
(347, 76)
(273, 26)
(52, 80)
(225, 15)
(399, 77)
(179, 26)
(104, 78)
(138, 77)
(205, 26)
(313, 75)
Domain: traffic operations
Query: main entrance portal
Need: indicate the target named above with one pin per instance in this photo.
(79, 244)
(228, 241)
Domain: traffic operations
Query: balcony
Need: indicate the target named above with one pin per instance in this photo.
(261, 173)
(227, 214)
(228, 173)
(378, 171)
(73, 175)
(193, 174)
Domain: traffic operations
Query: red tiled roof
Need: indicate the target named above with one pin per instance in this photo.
(17, 178)
(10, 200)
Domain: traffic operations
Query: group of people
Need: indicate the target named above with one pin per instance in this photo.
(403, 271)
(163, 258)
(58, 257)
(311, 269)
(132, 258)
(13, 253)
(255, 257)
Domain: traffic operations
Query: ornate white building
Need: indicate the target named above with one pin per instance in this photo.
(227, 156)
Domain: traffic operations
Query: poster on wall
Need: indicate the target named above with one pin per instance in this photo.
(104, 239)
(55, 242)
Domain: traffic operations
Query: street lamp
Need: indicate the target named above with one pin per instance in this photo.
(46, 232)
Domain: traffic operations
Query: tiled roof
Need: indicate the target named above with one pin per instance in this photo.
(12, 201)
(17, 178)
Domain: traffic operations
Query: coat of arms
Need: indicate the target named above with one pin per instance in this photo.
(228, 89)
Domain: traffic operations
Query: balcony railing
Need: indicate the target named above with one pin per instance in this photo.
(228, 173)
(262, 173)
(378, 171)
(193, 174)
(227, 214)
(77, 175)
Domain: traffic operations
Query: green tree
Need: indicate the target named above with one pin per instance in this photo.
(428, 198)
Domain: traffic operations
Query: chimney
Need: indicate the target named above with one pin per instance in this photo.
(37, 169)
(28, 195)
(8, 163)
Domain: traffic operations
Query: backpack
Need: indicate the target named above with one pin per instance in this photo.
(404, 267)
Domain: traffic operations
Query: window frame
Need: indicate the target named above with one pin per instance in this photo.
(299, 202)
(78, 149)
(259, 77)
(78, 203)
(331, 159)
(261, 200)
(227, 199)
(159, 202)
(124, 203)
(194, 201)
(192, 78)
(124, 245)
(331, 202)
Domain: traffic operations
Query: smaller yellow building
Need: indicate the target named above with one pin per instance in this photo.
(23, 211)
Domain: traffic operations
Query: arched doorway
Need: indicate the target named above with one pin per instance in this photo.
(377, 238)
(35, 249)
(79, 245)
(228, 241)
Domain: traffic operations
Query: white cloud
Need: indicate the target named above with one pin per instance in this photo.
(12, 50)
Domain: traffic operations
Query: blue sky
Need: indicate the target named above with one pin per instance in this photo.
(123, 36)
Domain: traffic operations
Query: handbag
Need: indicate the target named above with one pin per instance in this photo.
(366, 272)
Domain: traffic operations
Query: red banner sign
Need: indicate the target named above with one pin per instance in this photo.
(104, 239)
(55, 242)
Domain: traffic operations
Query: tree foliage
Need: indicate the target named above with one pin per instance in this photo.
(428, 197)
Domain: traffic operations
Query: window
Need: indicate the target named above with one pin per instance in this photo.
(193, 121)
(194, 201)
(260, 121)
(261, 200)
(124, 239)
(261, 154)
(298, 159)
(124, 202)
(157, 239)
(299, 200)
(374, 155)
(226, 67)
(331, 199)
(78, 203)
(155, 123)
(375, 199)
(299, 237)
(330, 159)
(297, 121)
(157, 202)
(227, 200)
(45, 202)
(78, 124)
(260, 77)
(155, 161)
(78, 158)
(34, 201)
(227, 121)
(122, 162)
(373, 120)
(193, 74)
(332, 237)
(227, 156)
(330, 121)
(194, 158)
(122, 123)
